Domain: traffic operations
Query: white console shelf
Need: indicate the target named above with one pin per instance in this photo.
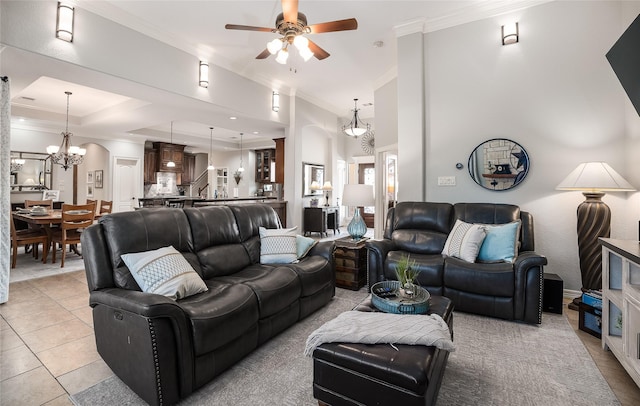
(621, 302)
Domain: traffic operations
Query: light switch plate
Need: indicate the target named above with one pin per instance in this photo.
(446, 180)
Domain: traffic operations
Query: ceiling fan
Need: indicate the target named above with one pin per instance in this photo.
(292, 25)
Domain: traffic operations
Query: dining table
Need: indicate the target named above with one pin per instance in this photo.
(45, 219)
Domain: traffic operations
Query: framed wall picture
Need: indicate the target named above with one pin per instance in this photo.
(98, 179)
(90, 190)
(90, 177)
(51, 195)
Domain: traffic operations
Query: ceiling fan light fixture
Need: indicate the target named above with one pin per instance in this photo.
(274, 46)
(282, 57)
(306, 54)
(301, 42)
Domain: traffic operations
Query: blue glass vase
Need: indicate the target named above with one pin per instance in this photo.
(357, 228)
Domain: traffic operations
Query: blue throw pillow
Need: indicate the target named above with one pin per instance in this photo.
(304, 245)
(501, 243)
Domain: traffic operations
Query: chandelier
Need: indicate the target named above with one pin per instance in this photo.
(66, 155)
(356, 127)
(16, 164)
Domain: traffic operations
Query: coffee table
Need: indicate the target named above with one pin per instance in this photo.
(377, 374)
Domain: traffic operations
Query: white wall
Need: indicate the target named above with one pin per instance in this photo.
(553, 92)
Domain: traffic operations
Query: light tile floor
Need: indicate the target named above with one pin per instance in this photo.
(48, 349)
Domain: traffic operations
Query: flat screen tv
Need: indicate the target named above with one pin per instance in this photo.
(624, 58)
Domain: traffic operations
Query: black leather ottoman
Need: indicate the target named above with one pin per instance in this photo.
(377, 374)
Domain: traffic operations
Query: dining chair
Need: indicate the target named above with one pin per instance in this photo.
(28, 237)
(105, 206)
(43, 203)
(75, 218)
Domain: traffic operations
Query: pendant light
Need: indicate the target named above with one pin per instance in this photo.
(237, 175)
(241, 168)
(356, 126)
(171, 164)
(210, 167)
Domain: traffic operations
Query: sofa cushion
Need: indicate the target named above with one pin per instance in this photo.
(220, 260)
(165, 272)
(276, 287)
(464, 241)
(501, 243)
(314, 272)
(421, 227)
(431, 267)
(220, 315)
(145, 230)
(278, 246)
(482, 279)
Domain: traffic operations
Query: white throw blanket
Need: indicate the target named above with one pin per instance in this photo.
(375, 327)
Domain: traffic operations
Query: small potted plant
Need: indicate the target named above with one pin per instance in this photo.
(406, 273)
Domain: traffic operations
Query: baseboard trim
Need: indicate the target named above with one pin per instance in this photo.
(571, 294)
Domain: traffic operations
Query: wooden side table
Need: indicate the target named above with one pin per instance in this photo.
(351, 263)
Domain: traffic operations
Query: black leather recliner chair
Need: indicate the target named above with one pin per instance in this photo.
(505, 290)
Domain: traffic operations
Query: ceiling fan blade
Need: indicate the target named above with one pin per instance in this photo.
(290, 10)
(318, 52)
(264, 54)
(339, 25)
(247, 28)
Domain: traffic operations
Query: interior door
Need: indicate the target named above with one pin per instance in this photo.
(126, 184)
(367, 175)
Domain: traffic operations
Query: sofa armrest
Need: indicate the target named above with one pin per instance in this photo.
(324, 249)
(146, 340)
(529, 279)
(377, 251)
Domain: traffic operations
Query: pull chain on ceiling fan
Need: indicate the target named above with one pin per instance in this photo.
(291, 25)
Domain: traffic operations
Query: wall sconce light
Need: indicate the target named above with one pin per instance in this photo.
(510, 33)
(275, 101)
(64, 22)
(204, 74)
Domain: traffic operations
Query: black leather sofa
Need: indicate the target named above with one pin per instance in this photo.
(504, 290)
(164, 349)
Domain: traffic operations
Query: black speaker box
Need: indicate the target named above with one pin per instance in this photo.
(552, 297)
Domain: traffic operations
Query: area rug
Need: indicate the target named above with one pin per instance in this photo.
(29, 268)
(496, 363)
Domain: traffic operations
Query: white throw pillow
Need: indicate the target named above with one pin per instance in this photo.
(464, 241)
(164, 271)
(278, 245)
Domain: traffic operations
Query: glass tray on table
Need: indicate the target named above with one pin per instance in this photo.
(386, 297)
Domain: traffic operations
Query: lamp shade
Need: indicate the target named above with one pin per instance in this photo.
(327, 186)
(595, 176)
(358, 195)
(314, 185)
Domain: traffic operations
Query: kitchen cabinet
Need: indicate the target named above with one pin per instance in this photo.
(150, 165)
(169, 152)
(188, 169)
(265, 165)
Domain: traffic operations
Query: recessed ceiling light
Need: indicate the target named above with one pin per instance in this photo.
(21, 119)
(256, 132)
(233, 118)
